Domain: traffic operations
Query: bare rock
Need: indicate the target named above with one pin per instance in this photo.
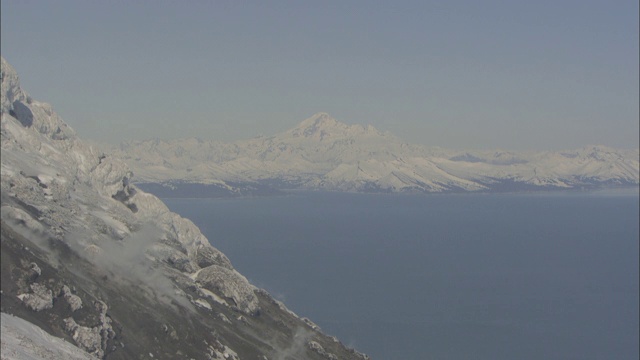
(86, 338)
(74, 301)
(311, 324)
(230, 284)
(36, 269)
(207, 256)
(218, 351)
(40, 298)
(92, 339)
(315, 346)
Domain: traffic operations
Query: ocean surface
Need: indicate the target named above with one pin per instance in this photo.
(507, 276)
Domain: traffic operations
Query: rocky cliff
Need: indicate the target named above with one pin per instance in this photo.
(89, 258)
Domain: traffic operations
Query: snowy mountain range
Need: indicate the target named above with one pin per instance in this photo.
(322, 153)
(95, 268)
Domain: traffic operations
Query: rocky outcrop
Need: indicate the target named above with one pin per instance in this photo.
(74, 301)
(40, 298)
(231, 285)
(88, 339)
(207, 256)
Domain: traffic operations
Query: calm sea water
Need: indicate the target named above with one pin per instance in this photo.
(542, 276)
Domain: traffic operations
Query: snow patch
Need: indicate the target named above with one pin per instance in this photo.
(24, 340)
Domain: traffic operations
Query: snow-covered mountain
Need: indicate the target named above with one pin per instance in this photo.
(93, 261)
(322, 153)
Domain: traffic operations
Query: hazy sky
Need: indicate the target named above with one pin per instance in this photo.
(458, 74)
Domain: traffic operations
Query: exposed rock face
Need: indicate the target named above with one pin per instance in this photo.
(88, 339)
(74, 301)
(207, 256)
(90, 258)
(40, 298)
(230, 284)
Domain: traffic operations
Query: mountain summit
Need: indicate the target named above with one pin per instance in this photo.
(322, 126)
(320, 119)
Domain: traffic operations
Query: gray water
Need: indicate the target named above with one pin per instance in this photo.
(542, 276)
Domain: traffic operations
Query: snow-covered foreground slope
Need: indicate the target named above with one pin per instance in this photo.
(23, 340)
(322, 153)
(89, 258)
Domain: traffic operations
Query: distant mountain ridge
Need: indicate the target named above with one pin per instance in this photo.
(322, 153)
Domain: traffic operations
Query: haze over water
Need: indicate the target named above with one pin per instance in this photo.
(511, 276)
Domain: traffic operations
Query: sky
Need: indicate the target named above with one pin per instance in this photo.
(517, 75)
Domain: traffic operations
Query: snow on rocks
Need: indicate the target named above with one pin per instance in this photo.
(10, 90)
(60, 191)
(24, 340)
(86, 338)
(111, 176)
(8, 212)
(207, 256)
(311, 324)
(40, 298)
(203, 304)
(224, 318)
(73, 300)
(230, 284)
(172, 257)
(44, 164)
(92, 339)
(208, 294)
(36, 269)
(180, 233)
(218, 351)
(316, 347)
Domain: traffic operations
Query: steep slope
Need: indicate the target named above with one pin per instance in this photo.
(89, 258)
(322, 153)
